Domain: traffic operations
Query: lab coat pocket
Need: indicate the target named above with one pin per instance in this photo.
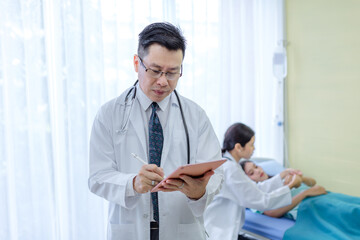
(122, 231)
(190, 231)
(178, 144)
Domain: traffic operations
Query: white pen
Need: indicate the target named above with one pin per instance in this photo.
(138, 158)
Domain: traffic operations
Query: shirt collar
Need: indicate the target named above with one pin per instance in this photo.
(145, 102)
(227, 155)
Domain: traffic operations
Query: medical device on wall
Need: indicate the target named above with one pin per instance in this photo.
(128, 108)
(280, 60)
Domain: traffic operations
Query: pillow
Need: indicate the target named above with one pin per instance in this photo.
(270, 166)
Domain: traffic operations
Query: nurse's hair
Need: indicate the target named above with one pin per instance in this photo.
(163, 33)
(237, 133)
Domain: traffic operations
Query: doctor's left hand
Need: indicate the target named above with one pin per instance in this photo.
(193, 188)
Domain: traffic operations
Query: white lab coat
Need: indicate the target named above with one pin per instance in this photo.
(224, 217)
(112, 167)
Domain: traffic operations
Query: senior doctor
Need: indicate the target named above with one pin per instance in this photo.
(150, 120)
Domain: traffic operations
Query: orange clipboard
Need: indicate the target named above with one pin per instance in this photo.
(193, 170)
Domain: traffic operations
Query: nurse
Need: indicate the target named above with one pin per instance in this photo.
(152, 121)
(307, 189)
(224, 217)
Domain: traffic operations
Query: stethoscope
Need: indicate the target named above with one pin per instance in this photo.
(128, 112)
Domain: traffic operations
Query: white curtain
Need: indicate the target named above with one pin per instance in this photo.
(60, 60)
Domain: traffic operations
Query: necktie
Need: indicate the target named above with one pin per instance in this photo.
(156, 140)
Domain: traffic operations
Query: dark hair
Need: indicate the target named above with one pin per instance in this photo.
(237, 133)
(243, 162)
(164, 34)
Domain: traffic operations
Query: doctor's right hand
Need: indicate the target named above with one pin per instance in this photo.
(148, 176)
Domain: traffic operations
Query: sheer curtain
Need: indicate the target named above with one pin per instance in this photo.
(60, 60)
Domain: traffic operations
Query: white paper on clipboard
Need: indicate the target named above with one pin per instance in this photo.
(192, 170)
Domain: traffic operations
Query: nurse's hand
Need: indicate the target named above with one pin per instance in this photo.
(193, 188)
(147, 178)
(290, 171)
(295, 182)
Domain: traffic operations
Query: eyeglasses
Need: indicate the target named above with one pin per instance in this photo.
(157, 74)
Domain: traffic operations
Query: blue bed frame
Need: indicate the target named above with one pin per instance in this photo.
(257, 224)
(265, 226)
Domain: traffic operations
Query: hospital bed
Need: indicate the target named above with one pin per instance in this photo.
(329, 216)
(261, 226)
(264, 227)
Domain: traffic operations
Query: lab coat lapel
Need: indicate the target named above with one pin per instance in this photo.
(169, 129)
(138, 125)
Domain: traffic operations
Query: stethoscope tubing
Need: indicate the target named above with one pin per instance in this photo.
(181, 111)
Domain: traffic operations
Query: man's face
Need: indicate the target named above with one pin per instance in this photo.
(161, 59)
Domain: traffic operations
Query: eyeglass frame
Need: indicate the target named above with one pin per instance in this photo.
(160, 72)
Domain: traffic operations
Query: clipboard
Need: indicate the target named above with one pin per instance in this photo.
(194, 170)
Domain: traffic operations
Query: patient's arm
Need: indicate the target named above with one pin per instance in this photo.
(294, 182)
(290, 171)
(313, 191)
(307, 180)
(287, 173)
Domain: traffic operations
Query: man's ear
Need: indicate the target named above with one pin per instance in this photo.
(136, 63)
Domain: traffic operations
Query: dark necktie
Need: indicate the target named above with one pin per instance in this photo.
(156, 140)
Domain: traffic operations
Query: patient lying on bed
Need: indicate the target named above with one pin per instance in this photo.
(306, 189)
(324, 216)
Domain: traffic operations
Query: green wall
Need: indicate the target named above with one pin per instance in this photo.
(323, 91)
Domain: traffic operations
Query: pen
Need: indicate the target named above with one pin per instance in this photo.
(138, 158)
